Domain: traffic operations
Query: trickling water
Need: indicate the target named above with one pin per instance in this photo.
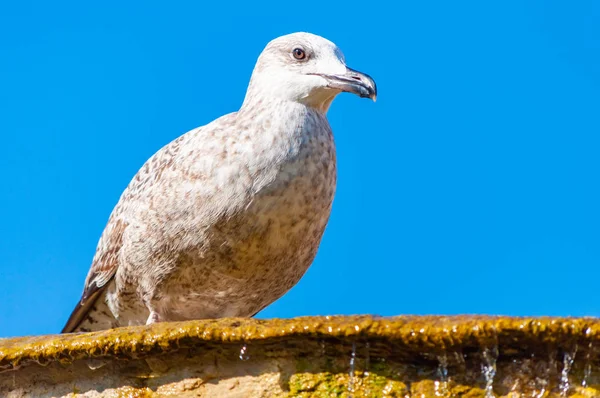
(441, 385)
(367, 358)
(586, 374)
(459, 359)
(366, 372)
(543, 371)
(587, 370)
(352, 368)
(540, 394)
(488, 368)
(244, 356)
(564, 384)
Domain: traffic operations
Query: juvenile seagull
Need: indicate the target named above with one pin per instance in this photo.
(228, 217)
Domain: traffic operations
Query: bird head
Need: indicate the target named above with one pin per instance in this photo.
(308, 69)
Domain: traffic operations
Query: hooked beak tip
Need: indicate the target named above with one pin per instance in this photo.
(365, 82)
(354, 82)
(362, 84)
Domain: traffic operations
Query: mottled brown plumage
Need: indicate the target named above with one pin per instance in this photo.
(227, 218)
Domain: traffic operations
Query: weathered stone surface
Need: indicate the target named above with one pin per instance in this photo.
(312, 357)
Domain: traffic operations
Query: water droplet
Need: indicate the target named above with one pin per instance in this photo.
(352, 368)
(488, 368)
(244, 353)
(441, 385)
(94, 363)
(568, 359)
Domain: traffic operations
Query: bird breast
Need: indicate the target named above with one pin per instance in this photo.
(234, 216)
(235, 191)
(293, 169)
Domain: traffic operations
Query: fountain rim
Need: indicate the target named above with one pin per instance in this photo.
(418, 334)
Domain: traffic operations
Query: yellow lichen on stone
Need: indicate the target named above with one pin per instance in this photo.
(423, 333)
(313, 357)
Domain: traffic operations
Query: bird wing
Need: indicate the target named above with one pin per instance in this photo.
(105, 262)
(104, 266)
(156, 169)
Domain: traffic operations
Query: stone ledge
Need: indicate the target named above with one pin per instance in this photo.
(312, 356)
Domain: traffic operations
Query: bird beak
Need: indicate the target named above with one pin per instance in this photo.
(352, 81)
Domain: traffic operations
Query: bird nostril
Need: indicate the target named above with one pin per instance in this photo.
(356, 78)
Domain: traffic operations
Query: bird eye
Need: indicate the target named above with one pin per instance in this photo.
(299, 53)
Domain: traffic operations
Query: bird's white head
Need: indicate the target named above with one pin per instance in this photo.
(308, 69)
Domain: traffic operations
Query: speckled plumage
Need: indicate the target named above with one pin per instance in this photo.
(228, 217)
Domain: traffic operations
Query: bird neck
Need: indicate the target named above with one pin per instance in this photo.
(282, 94)
(320, 100)
(272, 107)
(276, 117)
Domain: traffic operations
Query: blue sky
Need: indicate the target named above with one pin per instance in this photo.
(471, 186)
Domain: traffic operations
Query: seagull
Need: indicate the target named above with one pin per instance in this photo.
(225, 219)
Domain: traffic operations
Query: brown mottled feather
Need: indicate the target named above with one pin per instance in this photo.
(104, 266)
(91, 294)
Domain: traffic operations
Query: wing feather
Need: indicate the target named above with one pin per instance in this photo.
(104, 266)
